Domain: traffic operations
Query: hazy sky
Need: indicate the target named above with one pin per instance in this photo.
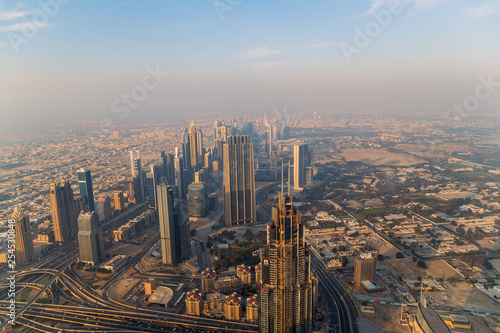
(84, 57)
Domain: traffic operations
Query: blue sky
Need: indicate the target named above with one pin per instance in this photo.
(237, 56)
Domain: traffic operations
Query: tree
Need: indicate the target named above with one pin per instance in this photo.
(193, 232)
(380, 257)
(421, 264)
(400, 255)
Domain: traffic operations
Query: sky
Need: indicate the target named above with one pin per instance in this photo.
(124, 61)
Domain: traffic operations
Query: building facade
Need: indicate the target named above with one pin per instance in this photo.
(285, 294)
(239, 181)
(64, 214)
(24, 240)
(169, 228)
(301, 166)
(86, 190)
(90, 239)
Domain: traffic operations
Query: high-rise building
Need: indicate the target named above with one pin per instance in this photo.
(24, 240)
(193, 146)
(169, 225)
(285, 294)
(137, 173)
(152, 179)
(167, 166)
(133, 189)
(197, 199)
(86, 191)
(217, 133)
(268, 136)
(223, 132)
(364, 269)
(301, 165)
(199, 147)
(239, 181)
(181, 176)
(64, 214)
(90, 239)
(103, 208)
(119, 201)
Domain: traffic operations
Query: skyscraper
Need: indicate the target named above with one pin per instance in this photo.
(223, 132)
(169, 228)
(186, 155)
(268, 136)
(199, 147)
(119, 201)
(86, 191)
(137, 174)
(181, 175)
(152, 179)
(193, 146)
(301, 165)
(239, 181)
(197, 199)
(24, 240)
(285, 294)
(364, 269)
(90, 240)
(103, 208)
(62, 205)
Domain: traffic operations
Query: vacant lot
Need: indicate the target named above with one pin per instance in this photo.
(379, 157)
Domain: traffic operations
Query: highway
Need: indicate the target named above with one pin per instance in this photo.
(342, 311)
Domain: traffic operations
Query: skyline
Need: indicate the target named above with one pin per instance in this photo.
(240, 58)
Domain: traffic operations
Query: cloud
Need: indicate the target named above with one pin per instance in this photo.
(4, 44)
(482, 11)
(12, 15)
(415, 6)
(318, 45)
(20, 26)
(260, 66)
(257, 52)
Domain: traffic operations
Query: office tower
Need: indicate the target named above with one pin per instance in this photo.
(181, 175)
(152, 179)
(90, 240)
(199, 146)
(268, 136)
(167, 166)
(186, 155)
(168, 229)
(223, 132)
(239, 181)
(193, 146)
(133, 190)
(103, 208)
(301, 161)
(364, 269)
(24, 250)
(286, 133)
(285, 294)
(207, 159)
(86, 191)
(119, 201)
(62, 205)
(217, 133)
(219, 147)
(137, 174)
(197, 199)
(79, 205)
(273, 166)
(247, 128)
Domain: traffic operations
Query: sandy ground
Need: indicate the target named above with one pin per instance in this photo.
(379, 157)
(409, 270)
(125, 248)
(385, 319)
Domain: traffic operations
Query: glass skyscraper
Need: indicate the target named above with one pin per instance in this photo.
(86, 191)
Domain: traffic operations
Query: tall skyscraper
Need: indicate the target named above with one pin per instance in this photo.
(167, 166)
(301, 165)
(119, 201)
(62, 205)
(137, 174)
(217, 134)
(169, 225)
(285, 294)
(181, 175)
(186, 155)
(24, 240)
(364, 269)
(193, 146)
(152, 179)
(268, 136)
(103, 208)
(197, 199)
(86, 191)
(223, 132)
(199, 147)
(239, 181)
(90, 239)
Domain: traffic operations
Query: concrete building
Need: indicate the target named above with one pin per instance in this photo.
(301, 166)
(169, 225)
(193, 303)
(86, 190)
(244, 273)
(119, 201)
(64, 214)
(364, 269)
(239, 181)
(252, 309)
(285, 295)
(90, 240)
(207, 280)
(197, 199)
(258, 273)
(103, 208)
(137, 174)
(24, 250)
(233, 307)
